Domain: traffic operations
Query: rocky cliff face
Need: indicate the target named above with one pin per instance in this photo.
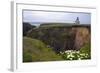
(26, 28)
(63, 38)
(78, 38)
(82, 37)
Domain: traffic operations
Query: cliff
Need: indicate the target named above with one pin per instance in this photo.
(60, 38)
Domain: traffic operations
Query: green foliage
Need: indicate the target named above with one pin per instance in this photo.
(86, 50)
(27, 57)
(83, 54)
(35, 50)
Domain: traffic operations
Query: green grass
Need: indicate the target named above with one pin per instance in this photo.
(86, 50)
(35, 50)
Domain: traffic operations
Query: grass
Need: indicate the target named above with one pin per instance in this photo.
(35, 50)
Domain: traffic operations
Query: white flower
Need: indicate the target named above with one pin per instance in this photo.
(68, 56)
(67, 51)
(77, 51)
(82, 54)
(79, 58)
(61, 52)
(71, 58)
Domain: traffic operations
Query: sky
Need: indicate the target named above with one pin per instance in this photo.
(59, 17)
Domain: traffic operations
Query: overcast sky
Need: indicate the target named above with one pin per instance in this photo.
(44, 16)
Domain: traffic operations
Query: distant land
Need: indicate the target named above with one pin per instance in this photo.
(37, 24)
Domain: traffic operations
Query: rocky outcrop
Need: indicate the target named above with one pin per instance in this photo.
(82, 37)
(78, 38)
(26, 27)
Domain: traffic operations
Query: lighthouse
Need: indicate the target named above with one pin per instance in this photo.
(77, 22)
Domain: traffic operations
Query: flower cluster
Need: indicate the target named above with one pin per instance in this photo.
(74, 55)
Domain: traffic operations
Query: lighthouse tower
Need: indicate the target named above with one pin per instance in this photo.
(77, 22)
